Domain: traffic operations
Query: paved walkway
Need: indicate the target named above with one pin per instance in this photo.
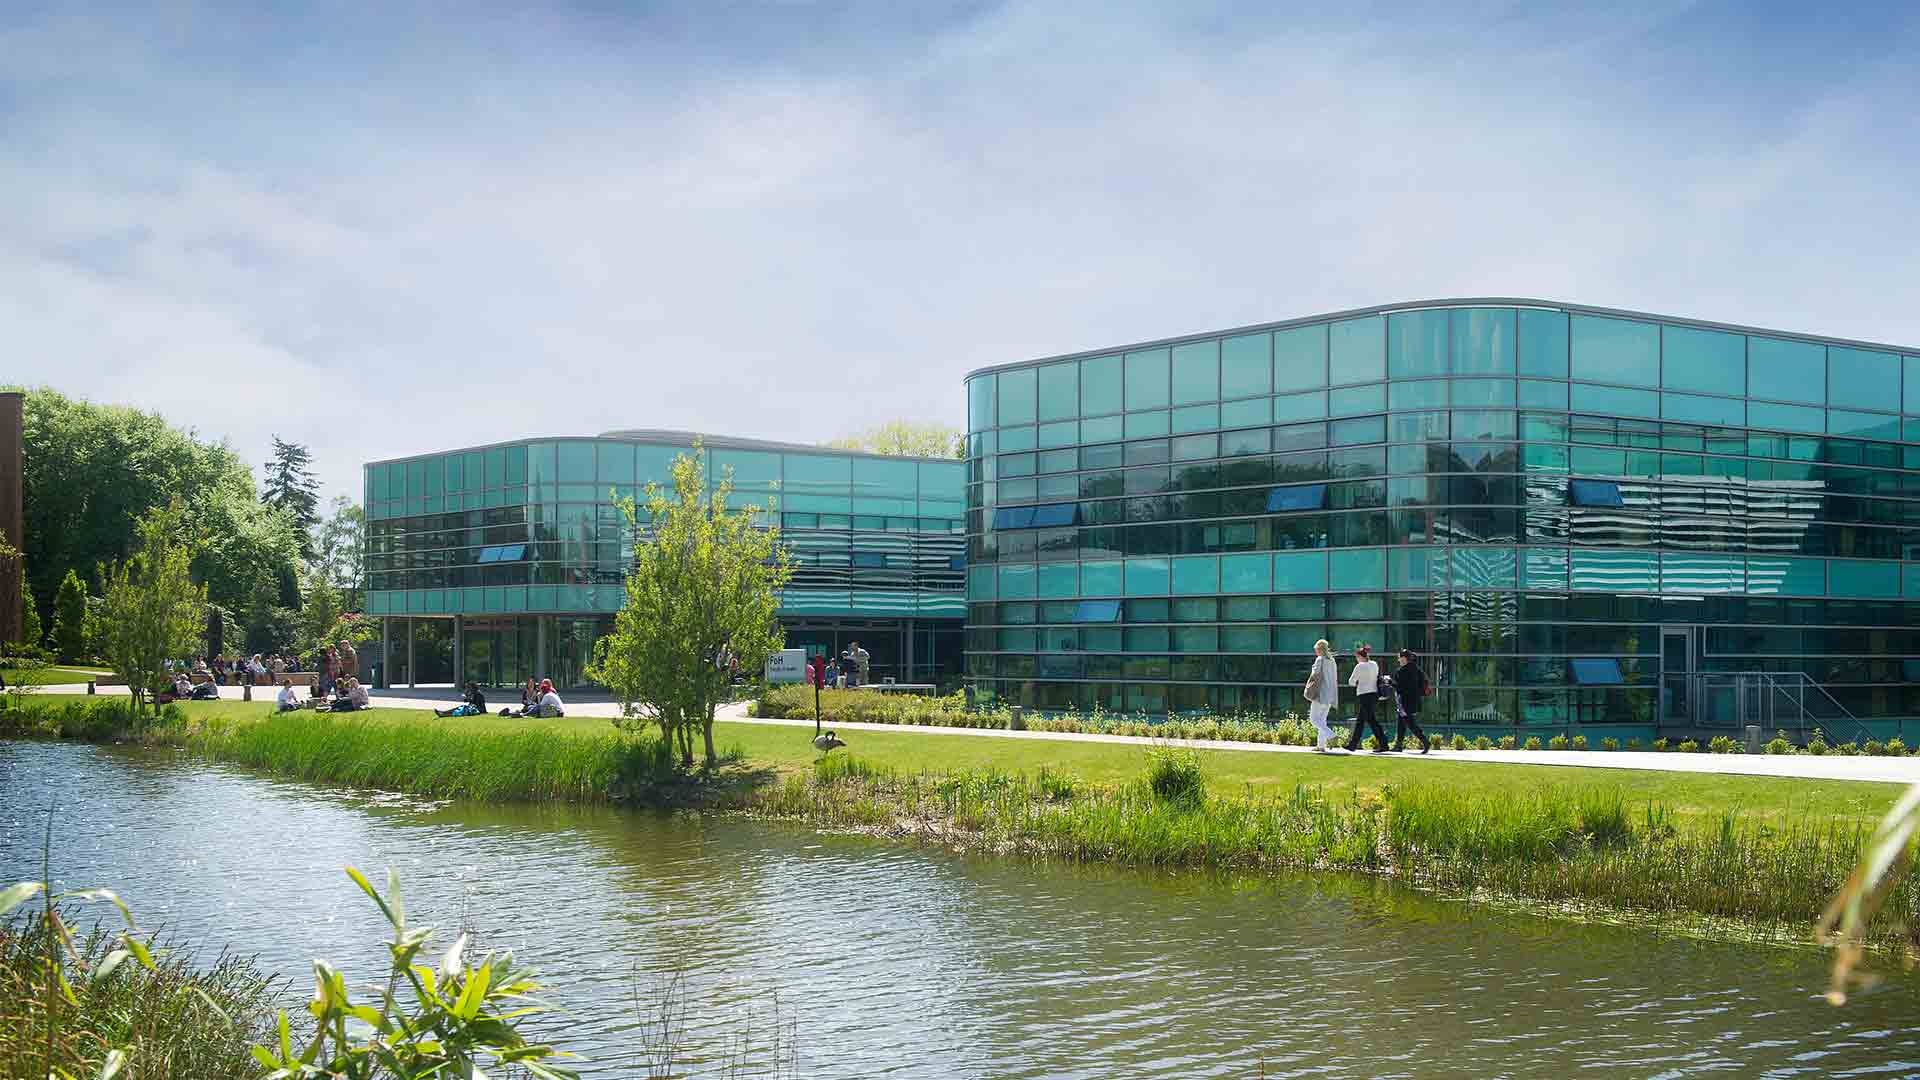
(1828, 767)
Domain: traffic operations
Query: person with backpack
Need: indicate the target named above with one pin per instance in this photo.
(1410, 685)
(1323, 694)
(1365, 681)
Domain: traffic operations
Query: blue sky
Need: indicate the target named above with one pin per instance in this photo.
(390, 229)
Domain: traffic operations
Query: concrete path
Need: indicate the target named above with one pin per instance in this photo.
(1828, 767)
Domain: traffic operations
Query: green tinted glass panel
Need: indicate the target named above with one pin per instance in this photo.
(1703, 361)
(981, 581)
(1417, 568)
(1291, 407)
(1100, 385)
(1356, 568)
(1863, 425)
(1059, 390)
(1017, 583)
(615, 462)
(1910, 580)
(1018, 397)
(1482, 393)
(1615, 401)
(1544, 568)
(1059, 580)
(1787, 370)
(1419, 394)
(1064, 433)
(1767, 576)
(1246, 365)
(979, 402)
(1863, 578)
(1300, 358)
(1543, 343)
(540, 459)
(1195, 418)
(1696, 409)
(1146, 380)
(1483, 341)
(753, 470)
(1246, 413)
(1702, 574)
(1251, 573)
(1104, 429)
(1615, 571)
(1348, 400)
(1859, 379)
(1365, 429)
(1616, 351)
(1481, 566)
(1765, 414)
(1100, 578)
(1541, 394)
(456, 473)
(1196, 372)
(1196, 576)
(1300, 572)
(1913, 384)
(576, 463)
(1416, 344)
(1147, 577)
(1356, 350)
(1146, 425)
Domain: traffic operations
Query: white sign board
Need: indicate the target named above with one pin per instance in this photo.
(787, 666)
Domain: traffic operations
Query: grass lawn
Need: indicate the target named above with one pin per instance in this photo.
(51, 676)
(790, 749)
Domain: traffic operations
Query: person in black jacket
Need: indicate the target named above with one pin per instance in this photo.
(1410, 686)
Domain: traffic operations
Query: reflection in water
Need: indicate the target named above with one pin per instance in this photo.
(901, 962)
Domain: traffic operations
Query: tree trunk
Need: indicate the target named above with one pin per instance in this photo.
(706, 729)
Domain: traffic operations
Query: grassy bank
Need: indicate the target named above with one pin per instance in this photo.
(1763, 850)
(49, 676)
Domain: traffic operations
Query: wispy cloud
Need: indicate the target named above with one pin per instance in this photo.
(386, 233)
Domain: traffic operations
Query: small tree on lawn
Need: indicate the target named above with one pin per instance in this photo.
(319, 610)
(704, 579)
(153, 610)
(70, 618)
(29, 617)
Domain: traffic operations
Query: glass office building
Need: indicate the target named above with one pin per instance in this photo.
(501, 562)
(1578, 515)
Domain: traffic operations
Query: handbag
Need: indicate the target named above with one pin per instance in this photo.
(1312, 689)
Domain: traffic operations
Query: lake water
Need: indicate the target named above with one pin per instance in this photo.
(880, 959)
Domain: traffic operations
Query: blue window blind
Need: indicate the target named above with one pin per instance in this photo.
(1597, 672)
(503, 553)
(1301, 497)
(1594, 493)
(1097, 611)
(1046, 515)
(1013, 517)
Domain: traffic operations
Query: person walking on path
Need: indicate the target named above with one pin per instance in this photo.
(1323, 694)
(1365, 681)
(862, 659)
(1410, 685)
(349, 660)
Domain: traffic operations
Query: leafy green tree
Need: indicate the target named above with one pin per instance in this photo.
(337, 543)
(30, 632)
(906, 438)
(291, 488)
(318, 614)
(154, 610)
(705, 578)
(70, 618)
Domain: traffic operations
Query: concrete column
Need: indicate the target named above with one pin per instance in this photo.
(413, 671)
(13, 527)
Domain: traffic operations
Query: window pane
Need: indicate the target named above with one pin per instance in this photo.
(1356, 399)
(1913, 384)
(979, 402)
(1146, 380)
(1196, 576)
(1246, 573)
(1423, 394)
(1703, 410)
(1366, 429)
(1416, 344)
(1866, 425)
(1539, 394)
(1300, 572)
(1615, 571)
(1064, 433)
(1356, 350)
(1299, 406)
(1482, 393)
(1017, 397)
(1863, 578)
(1543, 343)
(1100, 579)
(1146, 425)
(1483, 341)
(1786, 577)
(1613, 399)
(1145, 577)
(1357, 568)
(1244, 413)
(1100, 385)
(1787, 370)
(1858, 379)
(1762, 414)
(1300, 358)
(1704, 361)
(1615, 350)
(1059, 391)
(1196, 372)
(1246, 368)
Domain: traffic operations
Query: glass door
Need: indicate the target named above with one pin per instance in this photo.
(1676, 674)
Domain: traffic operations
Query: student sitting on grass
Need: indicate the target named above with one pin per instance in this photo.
(473, 703)
(353, 696)
(288, 700)
(549, 701)
(206, 691)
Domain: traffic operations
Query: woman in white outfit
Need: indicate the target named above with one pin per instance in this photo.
(1323, 693)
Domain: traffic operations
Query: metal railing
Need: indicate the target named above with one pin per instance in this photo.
(1772, 700)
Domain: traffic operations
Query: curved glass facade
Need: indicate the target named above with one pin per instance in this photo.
(514, 553)
(1573, 513)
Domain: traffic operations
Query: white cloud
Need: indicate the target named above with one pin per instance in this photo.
(527, 229)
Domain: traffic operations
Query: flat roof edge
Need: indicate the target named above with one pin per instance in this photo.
(1450, 302)
(671, 437)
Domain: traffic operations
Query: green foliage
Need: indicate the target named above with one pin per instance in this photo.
(1847, 749)
(1609, 743)
(1724, 744)
(1779, 746)
(98, 719)
(1896, 748)
(1482, 743)
(1633, 744)
(1507, 742)
(1875, 748)
(1532, 743)
(461, 1016)
(30, 631)
(906, 438)
(704, 579)
(319, 612)
(291, 489)
(154, 611)
(70, 618)
(1578, 742)
(337, 543)
(1557, 742)
(1688, 747)
(1660, 744)
(1460, 741)
(1817, 745)
(1174, 775)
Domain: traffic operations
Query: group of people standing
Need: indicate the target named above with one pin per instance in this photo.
(1403, 690)
(848, 672)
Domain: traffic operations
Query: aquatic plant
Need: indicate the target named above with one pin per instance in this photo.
(1174, 775)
